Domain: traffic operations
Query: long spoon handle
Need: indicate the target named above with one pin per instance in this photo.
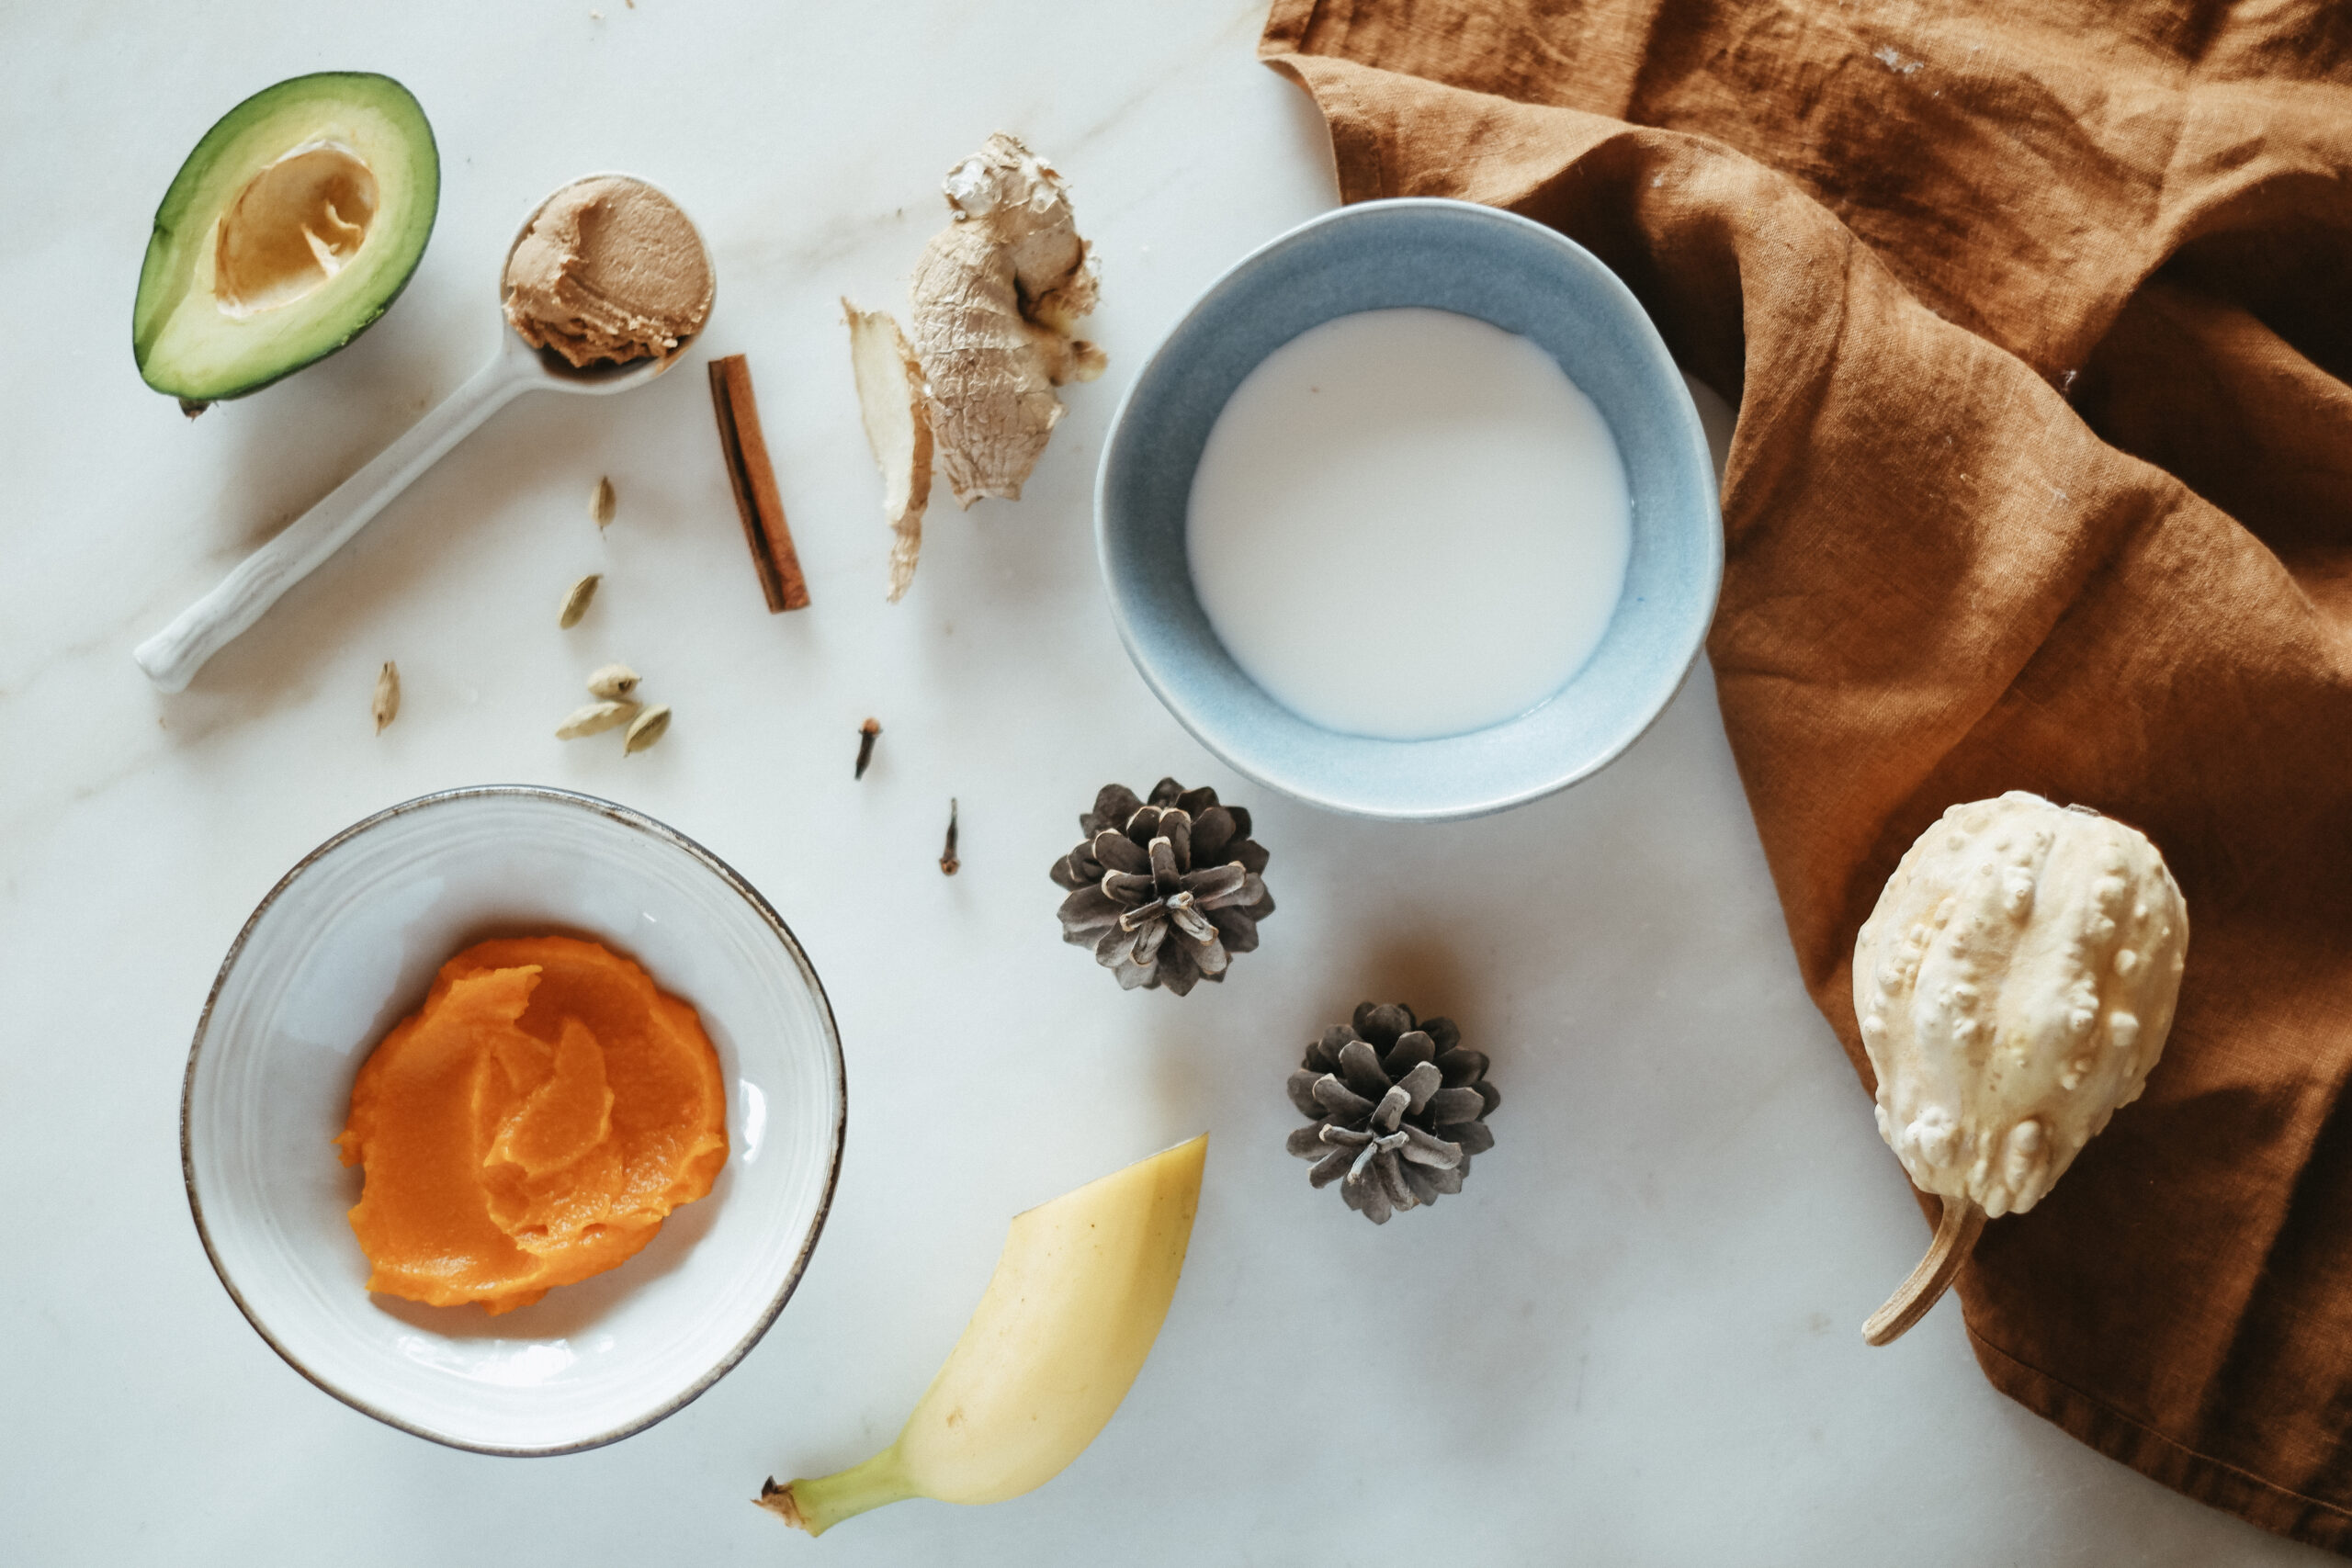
(173, 656)
(1956, 1235)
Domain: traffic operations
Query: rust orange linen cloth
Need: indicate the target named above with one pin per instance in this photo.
(2039, 316)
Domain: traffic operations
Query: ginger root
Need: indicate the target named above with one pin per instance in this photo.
(995, 297)
(890, 397)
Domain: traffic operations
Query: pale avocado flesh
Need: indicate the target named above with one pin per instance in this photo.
(290, 228)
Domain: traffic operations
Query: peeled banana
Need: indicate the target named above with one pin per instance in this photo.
(1077, 1300)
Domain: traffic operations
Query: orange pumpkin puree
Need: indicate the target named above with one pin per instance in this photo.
(530, 1125)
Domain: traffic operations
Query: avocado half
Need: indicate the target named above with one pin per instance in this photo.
(294, 224)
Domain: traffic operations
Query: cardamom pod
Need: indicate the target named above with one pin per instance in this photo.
(603, 503)
(575, 600)
(387, 695)
(646, 728)
(597, 718)
(613, 681)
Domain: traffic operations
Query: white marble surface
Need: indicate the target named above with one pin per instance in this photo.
(1632, 1340)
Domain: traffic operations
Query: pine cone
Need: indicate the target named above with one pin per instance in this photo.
(1399, 1108)
(1164, 891)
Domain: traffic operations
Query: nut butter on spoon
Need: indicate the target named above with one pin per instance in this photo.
(606, 284)
(2014, 985)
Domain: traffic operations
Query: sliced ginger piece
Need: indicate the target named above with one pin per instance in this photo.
(898, 428)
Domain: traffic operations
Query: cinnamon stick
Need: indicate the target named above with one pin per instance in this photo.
(748, 469)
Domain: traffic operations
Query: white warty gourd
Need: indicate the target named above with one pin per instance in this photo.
(2014, 985)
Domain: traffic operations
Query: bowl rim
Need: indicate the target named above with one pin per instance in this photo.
(638, 821)
(1370, 212)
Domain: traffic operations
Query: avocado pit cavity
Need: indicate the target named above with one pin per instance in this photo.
(295, 224)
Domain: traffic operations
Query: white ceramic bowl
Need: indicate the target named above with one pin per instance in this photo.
(343, 948)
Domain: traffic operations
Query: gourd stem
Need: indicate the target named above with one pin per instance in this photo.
(1956, 1235)
(817, 1505)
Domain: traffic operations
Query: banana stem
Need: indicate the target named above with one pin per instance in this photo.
(817, 1505)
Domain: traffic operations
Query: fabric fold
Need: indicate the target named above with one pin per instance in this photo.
(2015, 302)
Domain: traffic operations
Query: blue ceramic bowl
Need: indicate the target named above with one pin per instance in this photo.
(1478, 261)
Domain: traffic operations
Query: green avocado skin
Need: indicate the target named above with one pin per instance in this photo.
(283, 341)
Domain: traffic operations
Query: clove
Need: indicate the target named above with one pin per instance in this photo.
(865, 734)
(948, 863)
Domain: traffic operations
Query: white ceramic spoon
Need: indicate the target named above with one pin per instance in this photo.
(173, 656)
